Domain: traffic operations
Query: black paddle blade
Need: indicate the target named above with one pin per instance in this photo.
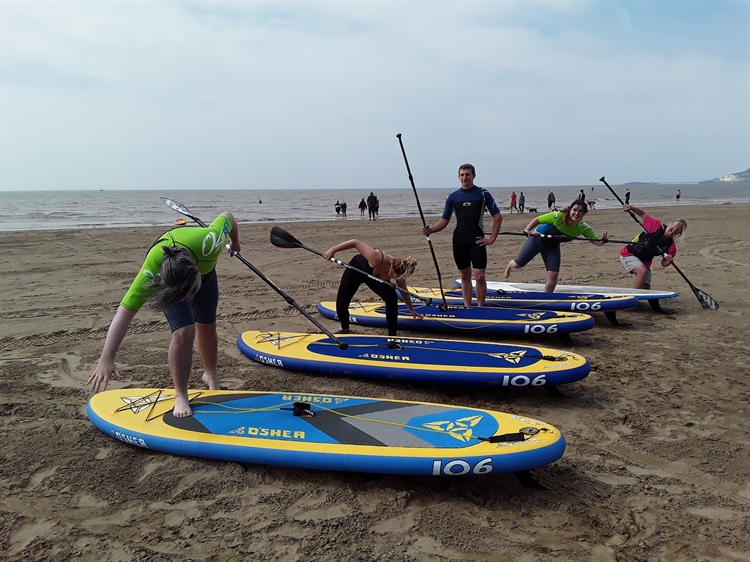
(706, 300)
(282, 239)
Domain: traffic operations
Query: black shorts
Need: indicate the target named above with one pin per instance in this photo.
(201, 309)
(466, 251)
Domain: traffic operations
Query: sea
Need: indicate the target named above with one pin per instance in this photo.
(57, 210)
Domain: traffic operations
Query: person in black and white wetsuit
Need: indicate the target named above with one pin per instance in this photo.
(469, 244)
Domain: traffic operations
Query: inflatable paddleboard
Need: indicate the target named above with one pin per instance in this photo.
(484, 320)
(564, 302)
(417, 360)
(640, 294)
(328, 432)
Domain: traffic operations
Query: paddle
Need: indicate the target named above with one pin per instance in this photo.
(283, 239)
(424, 223)
(180, 208)
(706, 300)
(563, 238)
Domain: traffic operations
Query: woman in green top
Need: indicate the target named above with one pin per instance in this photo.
(568, 222)
(179, 278)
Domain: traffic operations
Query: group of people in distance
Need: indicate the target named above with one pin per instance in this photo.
(179, 278)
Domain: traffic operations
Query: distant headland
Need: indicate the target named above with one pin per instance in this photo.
(738, 177)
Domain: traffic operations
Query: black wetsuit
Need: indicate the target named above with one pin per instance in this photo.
(351, 281)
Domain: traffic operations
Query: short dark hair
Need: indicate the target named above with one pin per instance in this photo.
(467, 167)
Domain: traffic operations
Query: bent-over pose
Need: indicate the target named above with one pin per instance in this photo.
(659, 241)
(378, 264)
(178, 277)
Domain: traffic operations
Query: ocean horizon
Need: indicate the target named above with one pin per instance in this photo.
(58, 209)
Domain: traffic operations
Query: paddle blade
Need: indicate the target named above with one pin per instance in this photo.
(282, 239)
(706, 300)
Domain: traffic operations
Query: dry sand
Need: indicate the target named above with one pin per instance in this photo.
(657, 460)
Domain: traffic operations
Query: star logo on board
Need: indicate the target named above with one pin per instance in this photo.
(238, 431)
(512, 357)
(534, 315)
(461, 429)
(139, 403)
(276, 339)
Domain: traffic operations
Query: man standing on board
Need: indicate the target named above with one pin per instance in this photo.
(469, 243)
(178, 277)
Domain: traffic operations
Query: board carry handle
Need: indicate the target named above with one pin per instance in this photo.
(706, 300)
(180, 208)
(284, 239)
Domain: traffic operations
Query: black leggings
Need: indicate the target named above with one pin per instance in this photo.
(351, 281)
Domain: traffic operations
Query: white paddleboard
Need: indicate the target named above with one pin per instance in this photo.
(641, 294)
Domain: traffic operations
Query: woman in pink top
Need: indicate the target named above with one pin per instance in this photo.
(658, 240)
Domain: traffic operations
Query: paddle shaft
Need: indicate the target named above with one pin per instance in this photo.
(259, 273)
(702, 296)
(565, 238)
(424, 222)
(425, 300)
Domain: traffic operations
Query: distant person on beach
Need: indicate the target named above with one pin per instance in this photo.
(343, 208)
(521, 202)
(337, 207)
(178, 277)
(550, 200)
(679, 194)
(659, 241)
(568, 222)
(372, 205)
(469, 243)
(513, 204)
(362, 207)
(627, 197)
(378, 264)
(582, 196)
(592, 205)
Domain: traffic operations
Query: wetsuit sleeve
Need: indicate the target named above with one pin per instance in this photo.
(585, 230)
(448, 209)
(138, 293)
(489, 202)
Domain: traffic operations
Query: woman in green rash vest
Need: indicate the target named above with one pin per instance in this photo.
(178, 277)
(568, 222)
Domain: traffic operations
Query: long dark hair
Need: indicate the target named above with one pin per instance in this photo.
(178, 279)
(566, 211)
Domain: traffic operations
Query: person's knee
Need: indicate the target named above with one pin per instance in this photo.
(553, 275)
(184, 336)
(480, 274)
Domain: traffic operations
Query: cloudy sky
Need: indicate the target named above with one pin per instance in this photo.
(211, 95)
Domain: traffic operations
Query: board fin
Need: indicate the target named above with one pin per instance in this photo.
(528, 481)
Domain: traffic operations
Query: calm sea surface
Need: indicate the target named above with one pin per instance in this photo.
(45, 210)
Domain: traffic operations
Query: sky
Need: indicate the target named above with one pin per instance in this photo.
(289, 95)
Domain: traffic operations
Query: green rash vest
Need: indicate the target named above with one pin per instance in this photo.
(552, 223)
(204, 244)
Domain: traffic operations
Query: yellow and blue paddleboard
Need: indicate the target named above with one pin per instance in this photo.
(424, 360)
(328, 432)
(466, 319)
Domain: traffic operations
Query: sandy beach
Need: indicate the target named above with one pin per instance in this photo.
(658, 459)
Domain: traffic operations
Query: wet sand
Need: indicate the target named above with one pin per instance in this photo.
(658, 459)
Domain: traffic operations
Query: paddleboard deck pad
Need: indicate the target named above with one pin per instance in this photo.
(415, 359)
(640, 294)
(539, 300)
(474, 320)
(328, 432)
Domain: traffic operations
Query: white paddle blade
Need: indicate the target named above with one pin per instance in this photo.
(176, 206)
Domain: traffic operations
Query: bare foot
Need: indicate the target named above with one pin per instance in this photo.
(182, 408)
(212, 381)
(344, 331)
